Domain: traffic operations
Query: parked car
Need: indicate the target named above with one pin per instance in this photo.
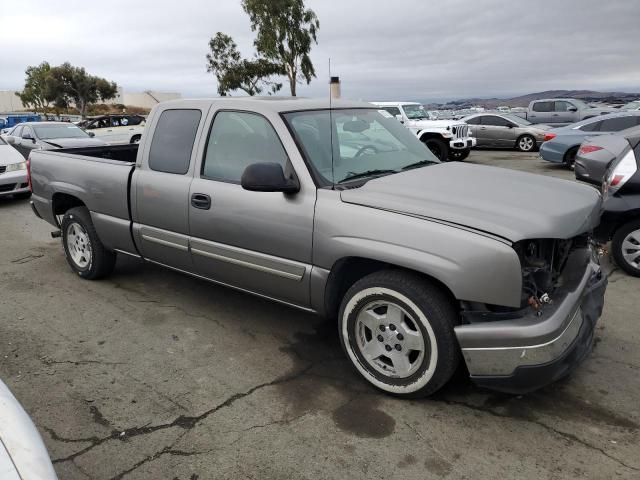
(13, 173)
(561, 111)
(26, 137)
(506, 130)
(563, 148)
(596, 154)
(23, 455)
(115, 129)
(621, 208)
(344, 213)
(447, 139)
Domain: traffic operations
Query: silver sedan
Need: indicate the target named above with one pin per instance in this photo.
(506, 131)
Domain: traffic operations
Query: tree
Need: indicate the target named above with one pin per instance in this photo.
(285, 33)
(235, 73)
(34, 94)
(67, 84)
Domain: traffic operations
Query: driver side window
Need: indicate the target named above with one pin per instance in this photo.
(237, 140)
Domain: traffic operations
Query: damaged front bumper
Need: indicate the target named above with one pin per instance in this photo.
(523, 354)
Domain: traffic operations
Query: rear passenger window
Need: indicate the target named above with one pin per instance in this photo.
(543, 107)
(618, 123)
(238, 139)
(173, 140)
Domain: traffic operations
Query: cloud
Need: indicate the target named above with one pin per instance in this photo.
(402, 49)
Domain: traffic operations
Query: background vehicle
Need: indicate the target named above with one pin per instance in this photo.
(115, 129)
(505, 130)
(596, 154)
(631, 106)
(13, 172)
(561, 111)
(620, 221)
(26, 137)
(328, 211)
(11, 120)
(447, 139)
(22, 453)
(563, 148)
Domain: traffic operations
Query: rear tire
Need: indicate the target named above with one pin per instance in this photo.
(396, 327)
(438, 147)
(526, 143)
(85, 253)
(570, 157)
(625, 247)
(135, 139)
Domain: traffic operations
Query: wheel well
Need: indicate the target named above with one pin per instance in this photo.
(133, 137)
(430, 135)
(62, 202)
(347, 271)
(565, 157)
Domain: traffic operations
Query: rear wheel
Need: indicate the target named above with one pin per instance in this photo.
(397, 329)
(526, 143)
(625, 247)
(569, 158)
(135, 139)
(84, 251)
(438, 147)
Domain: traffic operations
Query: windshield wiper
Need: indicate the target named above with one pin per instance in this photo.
(368, 173)
(421, 163)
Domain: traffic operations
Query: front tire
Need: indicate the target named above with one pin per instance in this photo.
(397, 329)
(526, 143)
(625, 247)
(459, 155)
(135, 139)
(85, 253)
(438, 147)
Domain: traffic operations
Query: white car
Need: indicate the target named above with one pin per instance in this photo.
(115, 129)
(22, 453)
(447, 139)
(13, 173)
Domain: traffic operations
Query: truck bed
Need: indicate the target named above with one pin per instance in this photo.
(100, 177)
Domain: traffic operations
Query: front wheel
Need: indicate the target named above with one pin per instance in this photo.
(85, 253)
(526, 143)
(625, 247)
(397, 329)
(135, 139)
(438, 147)
(459, 155)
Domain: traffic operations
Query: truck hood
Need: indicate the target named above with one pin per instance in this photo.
(506, 203)
(72, 142)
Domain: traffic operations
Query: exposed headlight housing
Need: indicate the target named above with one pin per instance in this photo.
(14, 167)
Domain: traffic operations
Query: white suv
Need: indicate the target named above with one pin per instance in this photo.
(447, 139)
(116, 128)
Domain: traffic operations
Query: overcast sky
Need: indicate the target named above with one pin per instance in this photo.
(381, 49)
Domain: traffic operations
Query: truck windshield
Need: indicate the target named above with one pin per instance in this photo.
(415, 112)
(48, 132)
(365, 144)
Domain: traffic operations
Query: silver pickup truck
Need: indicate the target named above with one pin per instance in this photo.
(345, 213)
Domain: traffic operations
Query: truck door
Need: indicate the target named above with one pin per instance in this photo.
(565, 112)
(161, 188)
(542, 112)
(257, 241)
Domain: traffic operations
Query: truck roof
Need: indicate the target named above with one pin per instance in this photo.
(273, 103)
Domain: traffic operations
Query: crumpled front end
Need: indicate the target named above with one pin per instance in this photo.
(521, 350)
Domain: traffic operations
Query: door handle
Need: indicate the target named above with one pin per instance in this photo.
(555, 114)
(201, 200)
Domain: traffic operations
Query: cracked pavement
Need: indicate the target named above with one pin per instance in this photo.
(153, 374)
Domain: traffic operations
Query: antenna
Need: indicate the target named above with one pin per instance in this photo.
(333, 177)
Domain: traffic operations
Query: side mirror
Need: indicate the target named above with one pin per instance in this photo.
(267, 177)
(399, 118)
(511, 125)
(91, 134)
(572, 109)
